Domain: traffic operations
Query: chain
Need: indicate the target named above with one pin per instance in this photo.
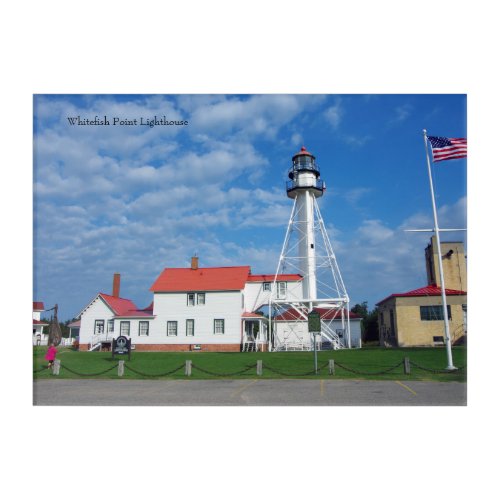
(128, 367)
(89, 374)
(436, 371)
(40, 370)
(313, 372)
(369, 373)
(223, 374)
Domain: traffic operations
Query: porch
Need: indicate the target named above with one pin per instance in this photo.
(254, 336)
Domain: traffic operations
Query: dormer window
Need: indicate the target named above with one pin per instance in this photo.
(196, 299)
(281, 289)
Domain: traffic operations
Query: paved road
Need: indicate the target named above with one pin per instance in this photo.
(247, 393)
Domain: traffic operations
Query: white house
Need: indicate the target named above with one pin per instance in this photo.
(74, 329)
(40, 337)
(107, 317)
(208, 309)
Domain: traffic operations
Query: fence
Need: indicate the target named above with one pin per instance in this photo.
(65, 342)
(259, 368)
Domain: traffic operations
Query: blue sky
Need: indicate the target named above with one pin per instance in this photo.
(134, 199)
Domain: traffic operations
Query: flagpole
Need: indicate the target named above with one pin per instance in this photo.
(440, 262)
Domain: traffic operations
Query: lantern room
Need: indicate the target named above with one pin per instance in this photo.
(304, 174)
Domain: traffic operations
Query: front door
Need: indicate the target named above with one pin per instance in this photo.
(249, 331)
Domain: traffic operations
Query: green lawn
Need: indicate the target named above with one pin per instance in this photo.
(154, 365)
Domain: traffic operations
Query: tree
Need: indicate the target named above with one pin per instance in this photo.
(369, 322)
(371, 326)
(360, 309)
(55, 334)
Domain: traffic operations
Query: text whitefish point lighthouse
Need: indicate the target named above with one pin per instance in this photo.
(233, 309)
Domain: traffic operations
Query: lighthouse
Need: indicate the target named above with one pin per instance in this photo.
(304, 187)
(307, 250)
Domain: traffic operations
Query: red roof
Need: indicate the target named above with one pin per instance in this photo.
(36, 322)
(303, 151)
(201, 279)
(38, 306)
(251, 315)
(270, 277)
(426, 291)
(329, 314)
(75, 324)
(123, 307)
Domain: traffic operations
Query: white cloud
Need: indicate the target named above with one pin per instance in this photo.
(373, 232)
(256, 115)
(354, 195)
(296, 139)
(401, 113)
(356, 141)
(334, 114)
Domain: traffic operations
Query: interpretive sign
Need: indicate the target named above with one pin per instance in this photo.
(314, 321)
(121, 345)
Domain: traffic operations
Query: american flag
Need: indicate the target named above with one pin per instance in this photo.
(447, 149)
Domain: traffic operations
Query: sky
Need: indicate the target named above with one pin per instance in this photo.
(133, 199)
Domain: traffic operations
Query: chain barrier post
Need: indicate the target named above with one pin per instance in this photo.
(331, 367)
(259, 367)
(121, 367)
(56, 367)
(407, 365)
(187, 370)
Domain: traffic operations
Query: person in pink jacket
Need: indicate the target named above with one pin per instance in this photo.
(51, 355)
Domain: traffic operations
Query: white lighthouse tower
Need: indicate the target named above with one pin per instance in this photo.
(307, 251)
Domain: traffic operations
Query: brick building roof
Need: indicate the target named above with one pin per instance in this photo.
(426, 291)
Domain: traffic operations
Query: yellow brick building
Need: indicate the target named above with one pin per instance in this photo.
(415, 318)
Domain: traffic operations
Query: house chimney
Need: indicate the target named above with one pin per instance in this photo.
(116, 285)
(194, 263)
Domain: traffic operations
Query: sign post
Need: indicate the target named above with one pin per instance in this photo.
(121, 345)
(314, 327)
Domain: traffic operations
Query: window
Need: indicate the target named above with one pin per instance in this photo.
(218, 326)
(438, 339)
(201, 299)
(143, 328)
(111, 325)
(172, 328)
(125, 328)
(98, 326)
(433, 313)
(281, 289)
(190, 299)
(190, 327)
(266, 286)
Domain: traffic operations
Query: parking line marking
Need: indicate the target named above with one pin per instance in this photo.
(241, 389)
(406, 387)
